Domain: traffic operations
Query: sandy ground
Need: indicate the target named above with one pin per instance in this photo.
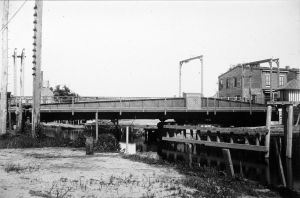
(66, 172)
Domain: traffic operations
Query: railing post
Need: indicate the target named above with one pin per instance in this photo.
(215, 108)
(165, 106)
(72, 105)
(207, 105)
(120, 106)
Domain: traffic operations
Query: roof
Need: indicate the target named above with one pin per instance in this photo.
(292, 85)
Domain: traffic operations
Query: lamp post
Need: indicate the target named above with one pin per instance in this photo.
(186, 61)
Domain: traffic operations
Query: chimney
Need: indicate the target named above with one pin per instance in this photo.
(287, 67)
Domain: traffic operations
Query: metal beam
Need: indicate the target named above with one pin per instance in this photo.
(180, 68)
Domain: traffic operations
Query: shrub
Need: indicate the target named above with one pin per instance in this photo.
(79, 141)
(20, 141)
(106, 143)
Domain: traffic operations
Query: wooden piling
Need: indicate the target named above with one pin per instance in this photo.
(268, 135)
(268, 175)
(241, 169)
(289, 172)
(228, 161)
(289, 142)
(280, 167)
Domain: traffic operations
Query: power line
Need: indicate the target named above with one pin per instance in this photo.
(11, 18)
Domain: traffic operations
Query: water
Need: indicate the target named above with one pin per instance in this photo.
(249, 164)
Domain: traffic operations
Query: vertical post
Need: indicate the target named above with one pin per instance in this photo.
(278, 72)
(96, 122)
(289, 132)
(20, 115)
(201, 59)
(268, 172)
(243, 83)
(280, 168)
(268, 135)
(228, 161)
(15, 71)
(271, 87)
(127, 138)
(180, 67)
(22, 73)
(289, 172)
(37, 63)
(9, 117)
(4, 69)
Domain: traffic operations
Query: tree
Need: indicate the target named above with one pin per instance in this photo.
(63, 94)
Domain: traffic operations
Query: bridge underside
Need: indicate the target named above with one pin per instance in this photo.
(221, 118)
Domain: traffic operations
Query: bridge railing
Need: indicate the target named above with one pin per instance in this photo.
(71, 99)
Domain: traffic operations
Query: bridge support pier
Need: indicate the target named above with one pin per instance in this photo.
(268, 135)
(289, 131)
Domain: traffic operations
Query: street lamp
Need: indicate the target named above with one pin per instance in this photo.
(186, 61)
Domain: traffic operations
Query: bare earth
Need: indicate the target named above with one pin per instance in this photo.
(66, 172)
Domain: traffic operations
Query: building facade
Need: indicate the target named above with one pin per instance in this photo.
(254, 82)
(291, 91)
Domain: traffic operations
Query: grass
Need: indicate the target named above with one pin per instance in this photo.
(115, 186)
(208, 181)
(11, 167)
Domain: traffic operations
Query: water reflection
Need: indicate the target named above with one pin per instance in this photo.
(251, 165)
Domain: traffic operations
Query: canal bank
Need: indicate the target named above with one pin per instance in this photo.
(247, 164)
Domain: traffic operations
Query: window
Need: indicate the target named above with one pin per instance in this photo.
(281, 80)
(220, 84)
(227, 83)
(267, 79)
(235, 82)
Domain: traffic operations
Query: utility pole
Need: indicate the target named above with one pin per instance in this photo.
(22, 72)
(20, 110)
(37, 59)
(15, 71)
(4, 69)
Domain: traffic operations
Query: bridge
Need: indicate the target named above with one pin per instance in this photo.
(190, 107)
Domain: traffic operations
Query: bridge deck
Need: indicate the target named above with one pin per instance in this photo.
(155, 105)
(227, 112)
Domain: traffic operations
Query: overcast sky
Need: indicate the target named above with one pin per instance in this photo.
(128, 48)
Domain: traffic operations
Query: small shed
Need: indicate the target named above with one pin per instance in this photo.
(291, 91)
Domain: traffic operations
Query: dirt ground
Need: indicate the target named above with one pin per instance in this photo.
(66, 172)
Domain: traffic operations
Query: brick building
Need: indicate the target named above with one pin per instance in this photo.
(250, 80)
